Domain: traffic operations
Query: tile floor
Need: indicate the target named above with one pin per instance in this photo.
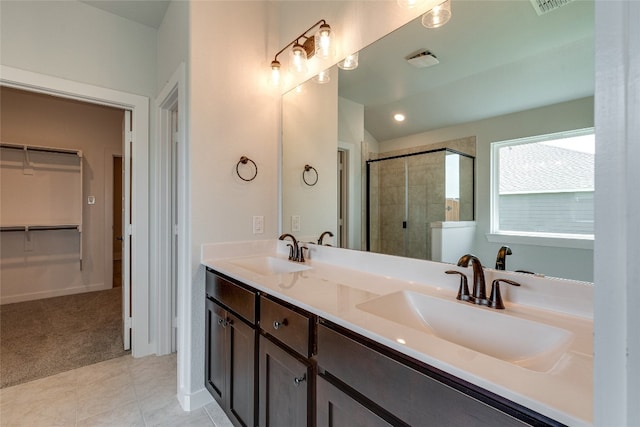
(117, 393)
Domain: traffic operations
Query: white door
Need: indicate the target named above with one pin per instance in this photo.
(126, 230)
(174, 226)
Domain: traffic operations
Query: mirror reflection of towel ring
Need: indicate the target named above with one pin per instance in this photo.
(244, 160)
(308, 168)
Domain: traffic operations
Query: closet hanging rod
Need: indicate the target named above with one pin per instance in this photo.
(40, 148)
(38, 227)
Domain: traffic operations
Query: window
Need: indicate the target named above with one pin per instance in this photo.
(543, 186)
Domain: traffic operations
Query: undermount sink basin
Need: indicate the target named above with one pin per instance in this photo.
(532, 345)
(267, 265)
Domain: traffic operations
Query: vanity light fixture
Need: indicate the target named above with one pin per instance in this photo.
(303, 48)
(410, 4)
(298, 59)
(438, 16)
(349, 63)
(323, 77)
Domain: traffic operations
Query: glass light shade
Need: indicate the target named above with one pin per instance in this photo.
(298, 59)
(275, 73)
(323, 77)
(322, 40)
(438, 16)
(350, 62)
(410, 4)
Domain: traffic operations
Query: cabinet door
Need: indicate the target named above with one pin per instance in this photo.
(215, 371)
(337, 409)
(285, 384)
(242, 358)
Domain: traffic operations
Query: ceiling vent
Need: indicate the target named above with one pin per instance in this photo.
(422, 59)
(545, 6)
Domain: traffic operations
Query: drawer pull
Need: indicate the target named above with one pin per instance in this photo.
(297, 380)
(276, 324)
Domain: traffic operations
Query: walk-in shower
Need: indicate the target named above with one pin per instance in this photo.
(408, 193)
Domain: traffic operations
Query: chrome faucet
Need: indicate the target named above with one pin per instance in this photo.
(501, 259)
(322, 237)
(295, 251)
(479, 294)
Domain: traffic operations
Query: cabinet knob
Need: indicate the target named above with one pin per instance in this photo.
(297, 380)
(223, 322)
(276, 324)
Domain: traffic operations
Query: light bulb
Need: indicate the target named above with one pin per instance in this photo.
(438, 16)
(322, 41)
(275, 73)
(298, 59)
(349, 63)
(323, 77)
(410, 4)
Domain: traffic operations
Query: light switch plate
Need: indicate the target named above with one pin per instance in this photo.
(258, 224)
(91, 200)
(295, 222)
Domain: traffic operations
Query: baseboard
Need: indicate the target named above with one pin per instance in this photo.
(193, 401)
(10, 299)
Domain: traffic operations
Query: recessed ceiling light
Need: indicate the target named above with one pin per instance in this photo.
(399, 117)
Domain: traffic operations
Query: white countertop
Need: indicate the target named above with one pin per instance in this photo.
(339, 280)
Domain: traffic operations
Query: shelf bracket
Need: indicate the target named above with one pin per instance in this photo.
(28, 242)
(27, 167)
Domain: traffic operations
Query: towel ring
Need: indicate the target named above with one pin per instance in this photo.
(307, 168)
(244, 160)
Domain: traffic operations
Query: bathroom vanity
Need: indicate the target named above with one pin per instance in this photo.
(346, 338)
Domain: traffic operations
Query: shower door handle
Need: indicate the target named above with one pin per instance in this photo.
(404, 224)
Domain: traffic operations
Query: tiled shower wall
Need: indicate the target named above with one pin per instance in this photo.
(425, 192)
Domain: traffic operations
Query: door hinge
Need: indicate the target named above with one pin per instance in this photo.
(129, 229)
(127, 322)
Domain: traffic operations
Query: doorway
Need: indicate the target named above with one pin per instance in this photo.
(61, 275)
(142, 342)
(116, 229)
(343, 198)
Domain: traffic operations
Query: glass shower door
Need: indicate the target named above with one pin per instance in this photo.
(391, 206)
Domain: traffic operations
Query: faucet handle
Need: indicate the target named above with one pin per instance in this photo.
(301, 253)
(495, 300)
(463, 289)
(291, 254)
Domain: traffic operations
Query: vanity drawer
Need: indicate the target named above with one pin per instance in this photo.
(286, 325)
(235, 297)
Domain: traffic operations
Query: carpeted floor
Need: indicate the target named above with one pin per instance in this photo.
(44, 337)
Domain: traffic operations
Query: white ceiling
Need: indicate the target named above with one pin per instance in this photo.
(147, 12)
(496, 57)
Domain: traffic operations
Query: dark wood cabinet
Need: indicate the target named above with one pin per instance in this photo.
(286, 384)
(230, 365)
(336, 408)
(272, 364)
(216, 348)
(414, 393)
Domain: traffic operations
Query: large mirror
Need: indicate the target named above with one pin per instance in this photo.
(497, 71)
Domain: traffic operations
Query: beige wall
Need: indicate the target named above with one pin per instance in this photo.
(52, 267)
(310, 136)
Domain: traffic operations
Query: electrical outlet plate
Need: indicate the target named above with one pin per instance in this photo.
(295, 223)
(258, 224)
